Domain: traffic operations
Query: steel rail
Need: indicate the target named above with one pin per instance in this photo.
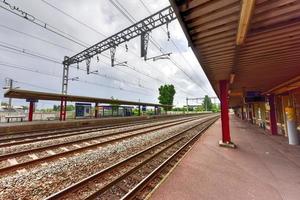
(142, 184)
(96, 175)
(33, 134)
(72, 132)
(46, 147)
(57, 155)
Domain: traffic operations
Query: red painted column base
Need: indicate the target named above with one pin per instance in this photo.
(31, 110)
(63, 109)
(226, 140)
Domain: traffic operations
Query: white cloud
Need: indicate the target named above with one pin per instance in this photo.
(105, 18)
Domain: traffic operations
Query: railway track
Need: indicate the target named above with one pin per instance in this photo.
(31, 157)
(131, 177)
(23, 138)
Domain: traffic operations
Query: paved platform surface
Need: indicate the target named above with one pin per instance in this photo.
(262, 167)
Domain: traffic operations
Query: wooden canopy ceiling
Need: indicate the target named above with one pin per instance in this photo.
(256, 41)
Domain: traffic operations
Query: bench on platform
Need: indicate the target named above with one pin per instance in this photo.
(21, 117)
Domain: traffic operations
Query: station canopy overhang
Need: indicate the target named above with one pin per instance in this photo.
(254, 44)
(35, 95)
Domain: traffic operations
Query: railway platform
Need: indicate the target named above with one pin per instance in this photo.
(262, 167)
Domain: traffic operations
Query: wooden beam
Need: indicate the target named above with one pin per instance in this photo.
(295, 79)
(245, 18)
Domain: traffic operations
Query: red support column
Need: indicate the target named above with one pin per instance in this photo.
(226, 141)
(224, 111)
(273, 122)
(63, 109)
(31, 110)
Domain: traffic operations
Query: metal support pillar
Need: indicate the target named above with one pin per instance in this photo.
(96, 110)
(112, 55)
(226, 141)
(144, 44)
(31, 110)
(65, 78)
(273, 122)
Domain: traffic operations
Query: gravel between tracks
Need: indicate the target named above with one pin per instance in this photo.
(42, 181)
(22, 147)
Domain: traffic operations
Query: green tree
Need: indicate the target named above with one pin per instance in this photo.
(56, 108)
(199, 108)
(216, 107)
(25, 107)
(207, 104)
(166, 95)
(4, 104)
(114, 106)
(70, 107)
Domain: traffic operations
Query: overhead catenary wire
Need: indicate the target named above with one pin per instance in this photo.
(49, 42)
(25, 15)
(57, 31)
(31, 53)
(172, 41)
(35, 37)
(133, 20)
(105, 55)
(25, 51)
(59, 76)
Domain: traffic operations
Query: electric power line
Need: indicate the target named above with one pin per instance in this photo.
(35, 37)
(49, 42)
(172, 41)
(105, 55)
(25, 51)
(17, 11)
(28, 52)
(133, 20)
(59, 76)
(27, 16)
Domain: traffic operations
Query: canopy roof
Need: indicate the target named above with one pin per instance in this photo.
(34, 95)
(254, 43)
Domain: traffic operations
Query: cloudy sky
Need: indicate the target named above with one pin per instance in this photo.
(88, 22)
